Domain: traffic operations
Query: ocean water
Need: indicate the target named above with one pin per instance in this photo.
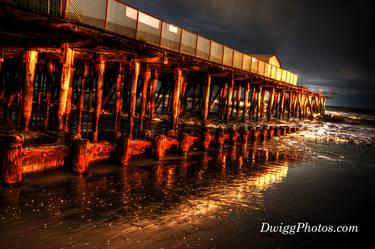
(323, 175)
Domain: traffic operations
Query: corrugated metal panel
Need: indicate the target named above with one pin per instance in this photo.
(278, 73)
(273, 72)
(228, 56)
(283, 75)
(171, 36)
(261, 66)
(287, 77)
(267, 73)
(216, 52)
(189, 42)
(149, 28)
(254, 65)
(237, 61)
(246, 63)
(121, 19)
(90, 12)
(203, 48)
(295, 79)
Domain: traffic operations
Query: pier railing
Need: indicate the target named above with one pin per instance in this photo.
(117, 17)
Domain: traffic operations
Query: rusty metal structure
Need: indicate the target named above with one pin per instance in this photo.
(80, 66)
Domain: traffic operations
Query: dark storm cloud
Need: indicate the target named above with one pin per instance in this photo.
(326, 42)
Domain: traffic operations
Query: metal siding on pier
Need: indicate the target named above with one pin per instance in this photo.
(278, 73)
(117, 17)
(203, 48)
(228, 56)
(171, 36)
(149, 28)
(216, 52)
(237, 61)
(122, 19)
(295, 79)
(261, 67)
(246, 63)
(267, 72)
(188, 42)
(91, 12)
(254, 65)
(273, 72)
(283, 75)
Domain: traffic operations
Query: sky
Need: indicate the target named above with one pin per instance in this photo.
(327, 43)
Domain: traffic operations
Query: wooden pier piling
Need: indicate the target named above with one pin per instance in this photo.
(271, 103)
(31, 58)
(246, 100)
(185, 142)
(49, 83)
(11, 159)
(262, 102)
(158, 146)
(206, 98)
(238, 101)
(82, 97)
(124, 151)
(154, 82)
(281, 108)
(99, 95)
(80, 154)
(145, 85)
(223, 101)
(133, 95)
(66, 77)
(252, 103)
(176, 97)
(259, 103)
(229, 101)
(119, 90)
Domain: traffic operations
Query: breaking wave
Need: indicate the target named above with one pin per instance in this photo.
(338, 125)
(342, 125)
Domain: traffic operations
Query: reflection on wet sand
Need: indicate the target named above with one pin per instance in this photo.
(173, 192)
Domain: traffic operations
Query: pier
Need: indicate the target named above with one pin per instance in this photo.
(90, 77)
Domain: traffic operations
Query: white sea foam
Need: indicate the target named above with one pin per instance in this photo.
(336, 126)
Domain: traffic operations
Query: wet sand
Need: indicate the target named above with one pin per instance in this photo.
(215, 199)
